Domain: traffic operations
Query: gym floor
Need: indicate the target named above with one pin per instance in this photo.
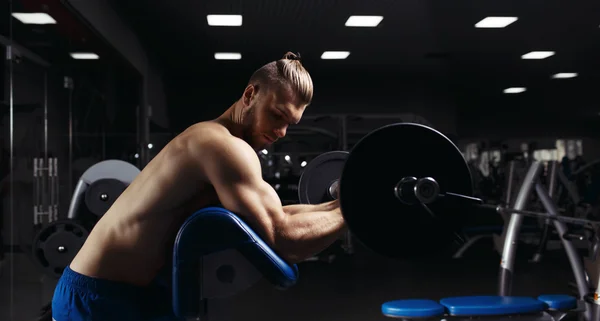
(351, 288)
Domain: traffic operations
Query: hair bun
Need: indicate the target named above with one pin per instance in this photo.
(291, 56)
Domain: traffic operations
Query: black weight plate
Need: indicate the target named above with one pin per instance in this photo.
(55, 246)
(370, 207)
(319, 175)
(101, 194)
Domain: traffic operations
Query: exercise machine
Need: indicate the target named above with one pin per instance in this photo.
(544, 307)
(56, 243)
(471, 235)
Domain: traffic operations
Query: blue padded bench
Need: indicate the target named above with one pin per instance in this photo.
(559, 302)
(473, 306)
(212, 230)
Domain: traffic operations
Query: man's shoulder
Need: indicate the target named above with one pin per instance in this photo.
(207, 133)
(208, 128)
(235, 148)
(214, 137)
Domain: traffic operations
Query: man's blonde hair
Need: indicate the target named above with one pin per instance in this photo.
(286, 71)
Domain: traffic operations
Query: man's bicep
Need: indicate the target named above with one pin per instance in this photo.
(254, 199)
(256, 203)
(241, 189)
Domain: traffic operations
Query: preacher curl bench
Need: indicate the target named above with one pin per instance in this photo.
(216, 255)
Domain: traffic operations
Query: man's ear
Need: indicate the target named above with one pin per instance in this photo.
(249, 94)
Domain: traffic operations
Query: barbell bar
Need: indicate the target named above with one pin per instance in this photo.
(426, 191)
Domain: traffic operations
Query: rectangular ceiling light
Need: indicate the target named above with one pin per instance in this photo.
(228, 56)
(230, 20)
(34, 18)
(84, 55)
(495, 22)
(514, 90)
(564, 75)
(335, 55)
(538, 55)
(363, 21)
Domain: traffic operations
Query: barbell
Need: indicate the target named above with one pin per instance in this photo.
(319, 181)
(404, 189)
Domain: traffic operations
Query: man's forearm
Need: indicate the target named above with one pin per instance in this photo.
(307, 233)
(306, 208)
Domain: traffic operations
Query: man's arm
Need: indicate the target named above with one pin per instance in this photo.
(303, 208)
(235, 172)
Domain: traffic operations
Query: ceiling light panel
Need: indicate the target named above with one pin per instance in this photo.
(565, 75)
(335, 55)
(496, 22)
(224, 20)
(514, 90)
(84, 56)
(35, 18)
(228, 56)
(363, 21)
(538, 55)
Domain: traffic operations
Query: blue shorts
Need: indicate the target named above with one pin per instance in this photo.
(78, 297)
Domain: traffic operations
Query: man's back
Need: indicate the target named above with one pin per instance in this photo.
(131, 241)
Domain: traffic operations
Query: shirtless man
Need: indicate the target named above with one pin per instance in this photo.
(213, 162)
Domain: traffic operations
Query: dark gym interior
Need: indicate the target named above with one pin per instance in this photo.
(512, 84)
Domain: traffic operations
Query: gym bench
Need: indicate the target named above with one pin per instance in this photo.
(543, 308)
(217, 255)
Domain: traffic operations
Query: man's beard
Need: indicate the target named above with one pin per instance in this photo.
(248, 132)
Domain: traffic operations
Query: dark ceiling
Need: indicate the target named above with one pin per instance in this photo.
(428, 44)
(415, 36)
(431, 40)
(53, 42)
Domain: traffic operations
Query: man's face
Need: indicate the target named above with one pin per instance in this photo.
(269, 113)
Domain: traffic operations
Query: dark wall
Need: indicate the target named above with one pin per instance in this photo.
(33, 87)
(201, 96)
(548, 111)
(103, 105)
(471, 115)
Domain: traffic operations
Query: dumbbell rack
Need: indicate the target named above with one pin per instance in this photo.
(45, 190)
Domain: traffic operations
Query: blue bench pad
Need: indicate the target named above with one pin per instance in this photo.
(491, 305)
(559, 301)
(413, 308)
(477, 306)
